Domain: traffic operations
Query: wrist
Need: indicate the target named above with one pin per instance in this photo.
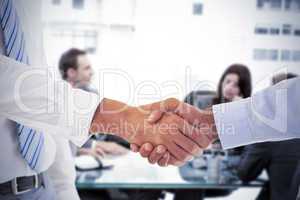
(210, 121)
(110, 118)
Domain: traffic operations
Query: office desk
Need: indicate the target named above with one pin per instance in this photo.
(133, 172)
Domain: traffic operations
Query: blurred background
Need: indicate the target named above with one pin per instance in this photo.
(143, 51)
(166, 40)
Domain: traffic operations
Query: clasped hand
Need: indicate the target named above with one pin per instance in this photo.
(168, 132)
(181, 132)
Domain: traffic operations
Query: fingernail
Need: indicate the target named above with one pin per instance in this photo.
(150, 118)
(189, 158)
(160, 149)
(148, 147)
(134, 150)
(151, 161)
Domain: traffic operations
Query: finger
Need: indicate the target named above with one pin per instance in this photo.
(199, 137)
(84, 151)
(100, 152)
(123, 151)
(171, 104)
(189, 146)
(180, 154)
(135, 148)
(196, 135)
(203, 140)
(163, 162)
(181, 138)
(175, 162)
(202, 119)
(146, 149)
(94, 154)
(155, 116)
(193, 115)
(157, 154)
(159, 108)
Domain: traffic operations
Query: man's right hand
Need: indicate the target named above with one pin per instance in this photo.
(203, 119)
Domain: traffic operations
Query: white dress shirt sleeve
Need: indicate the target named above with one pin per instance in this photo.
(269, 115)
(62, 171)
(32, 96)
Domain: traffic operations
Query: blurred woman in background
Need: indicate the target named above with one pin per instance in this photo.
(234, 84)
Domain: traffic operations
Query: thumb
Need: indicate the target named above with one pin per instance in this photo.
(135, 148)
(155, 116)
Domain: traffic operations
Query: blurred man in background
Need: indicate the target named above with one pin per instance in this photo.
(75, 68)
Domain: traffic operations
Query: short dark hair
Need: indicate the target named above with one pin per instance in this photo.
(282, 76)
(69, 60)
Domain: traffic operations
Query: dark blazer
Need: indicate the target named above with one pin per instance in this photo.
(296, 183)
(280, 159)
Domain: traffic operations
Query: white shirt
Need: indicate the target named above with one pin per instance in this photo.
(59, 123)
(272, 114)
(62, 171)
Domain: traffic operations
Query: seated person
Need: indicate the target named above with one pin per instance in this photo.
(76, 69)
(101, 146)
(234, 84)
(280, 159)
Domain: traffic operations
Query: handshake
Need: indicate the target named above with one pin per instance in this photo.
(169, 132)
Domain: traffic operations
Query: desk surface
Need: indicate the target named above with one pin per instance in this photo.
(131, 171)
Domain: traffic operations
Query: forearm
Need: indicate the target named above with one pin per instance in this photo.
(269, 115)
(31, 96)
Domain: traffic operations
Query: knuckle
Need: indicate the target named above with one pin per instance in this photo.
(162, 148)
(196, 149)
(182, 157)
(172, 103)
(189, 158)
(172, 100)
(150, 160)
(177, 163)
(144, 154)
(162, 164)
(206, 143)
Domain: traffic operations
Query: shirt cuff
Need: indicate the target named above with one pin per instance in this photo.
(232, 123)
(88, 144)
(85, 105)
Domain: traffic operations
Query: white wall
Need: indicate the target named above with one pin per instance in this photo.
(153, 42)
